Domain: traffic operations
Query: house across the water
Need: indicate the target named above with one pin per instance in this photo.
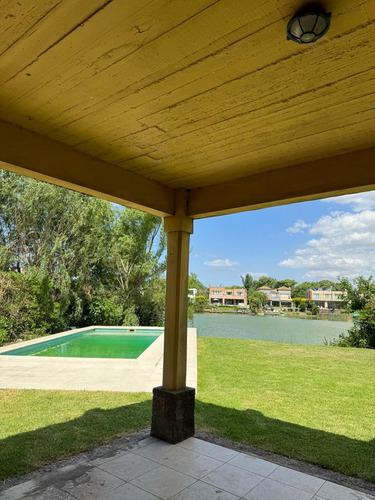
(221, 296)
(326, 299)
(280, 297)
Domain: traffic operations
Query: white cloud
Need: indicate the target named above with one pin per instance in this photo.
(298, 227)
(343, 245)
(254, 274)
(358, 202)
(221, 263)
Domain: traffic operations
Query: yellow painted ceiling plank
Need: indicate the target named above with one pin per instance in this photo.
(111, 111)
(282, 80)
(45, 33)
(120, 30)
(133, 93)
(236, 165)
(352, 172)
(37, 156)
(170, 152)
(101, 154)
(297, 116)
(302, 129)
(249, 54)
(120, 75)
(297, 119)
(330, 103)
(18, 18)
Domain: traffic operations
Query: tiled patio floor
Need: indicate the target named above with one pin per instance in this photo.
(191, 470)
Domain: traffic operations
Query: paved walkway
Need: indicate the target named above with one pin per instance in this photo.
(192, 470)
(91, 374)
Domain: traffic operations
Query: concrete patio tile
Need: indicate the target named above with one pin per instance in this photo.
(332, 491)
(194, 464)
(91, 484)
(162, 452)
(252, 464)
(299, 480)
(108, 455)
(141, 444)
(50, 493)
(273, 490)
(191, 443)
(163, 482)
(129, 492)
(18, 491)
(129, 466)
(233, 479)
(217, 452)
(203, 491)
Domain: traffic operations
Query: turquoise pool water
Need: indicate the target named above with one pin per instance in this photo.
(95, 343)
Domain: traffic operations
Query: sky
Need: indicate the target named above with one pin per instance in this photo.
(309, 241)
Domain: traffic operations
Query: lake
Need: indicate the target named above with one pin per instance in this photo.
(276, 329)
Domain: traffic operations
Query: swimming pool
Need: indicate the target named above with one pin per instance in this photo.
(93, 343)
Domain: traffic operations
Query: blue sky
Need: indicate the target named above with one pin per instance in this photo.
(305, 241)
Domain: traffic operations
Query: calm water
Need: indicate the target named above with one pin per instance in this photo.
(277, 329)
(93, 344)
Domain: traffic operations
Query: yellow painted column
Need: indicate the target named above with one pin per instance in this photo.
(178, 229)
(173, 402)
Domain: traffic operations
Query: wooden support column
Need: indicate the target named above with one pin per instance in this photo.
(173, 402)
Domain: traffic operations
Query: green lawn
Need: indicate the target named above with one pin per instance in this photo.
(307, 402)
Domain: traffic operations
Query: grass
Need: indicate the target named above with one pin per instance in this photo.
(39, 427)
(307, 402)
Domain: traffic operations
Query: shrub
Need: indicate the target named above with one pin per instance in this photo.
(27, 309)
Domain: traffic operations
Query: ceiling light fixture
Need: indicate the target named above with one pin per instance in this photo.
(308, 24)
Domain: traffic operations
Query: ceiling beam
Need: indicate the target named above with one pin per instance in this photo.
(349, 173)
(36, 156)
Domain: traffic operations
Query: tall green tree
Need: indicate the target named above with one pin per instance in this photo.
(248, 282)
(266, 281)
(198, 285)
(359, 299)
(104, 264)
(286, 282)
(139, 261)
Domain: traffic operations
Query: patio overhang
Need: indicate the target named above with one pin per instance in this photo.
(187, 110)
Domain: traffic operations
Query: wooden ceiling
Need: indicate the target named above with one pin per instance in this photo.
(188, 94)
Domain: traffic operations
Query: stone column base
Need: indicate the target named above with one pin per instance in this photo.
(173, 414)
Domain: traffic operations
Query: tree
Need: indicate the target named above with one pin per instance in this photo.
(63, 233)
(357, 293)
(300, 303)
(266, 281)
(327, 285)
(26, 306)
(312, 307)
(359, 298)
(286, 282)
(198, 285)
(201, 302)
(103, 263)
(138, 260)
(247, 283)
(301, 289)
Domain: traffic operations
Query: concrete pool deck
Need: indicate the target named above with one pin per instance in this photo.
(91, 374)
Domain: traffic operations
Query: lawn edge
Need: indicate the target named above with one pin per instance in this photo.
(292, 463)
